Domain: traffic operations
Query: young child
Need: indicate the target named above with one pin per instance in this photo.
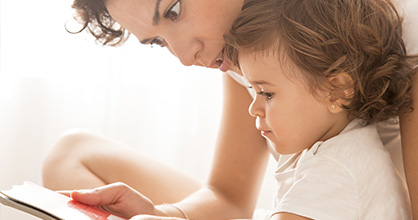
(324, 72)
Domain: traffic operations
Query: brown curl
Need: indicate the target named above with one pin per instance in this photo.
(95, 18)
(362, 38)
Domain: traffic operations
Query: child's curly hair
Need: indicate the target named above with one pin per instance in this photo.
(324, 38)
(95, 18)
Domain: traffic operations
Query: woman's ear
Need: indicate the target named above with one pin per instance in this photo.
(341, 91)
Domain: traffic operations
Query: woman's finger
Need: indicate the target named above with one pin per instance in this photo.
(103, 195)
(152, 217)
(65, 192)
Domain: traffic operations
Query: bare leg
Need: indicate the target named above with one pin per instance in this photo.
(83, 160)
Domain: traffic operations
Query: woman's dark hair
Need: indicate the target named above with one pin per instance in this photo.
(95, 18)
(326, 37)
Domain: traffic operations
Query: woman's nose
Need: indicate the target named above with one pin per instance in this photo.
(186, 51)
(256, 109)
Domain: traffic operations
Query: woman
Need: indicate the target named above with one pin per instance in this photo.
(193, 31)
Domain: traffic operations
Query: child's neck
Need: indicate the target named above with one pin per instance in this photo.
(335, 129)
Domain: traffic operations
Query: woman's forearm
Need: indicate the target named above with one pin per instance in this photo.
(208, 203)
(409, 137)
(239, 164)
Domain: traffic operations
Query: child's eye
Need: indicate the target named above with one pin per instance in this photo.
(268, 95)
(174, 11)
(158, 41)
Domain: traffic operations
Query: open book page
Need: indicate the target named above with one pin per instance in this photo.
(50, 205)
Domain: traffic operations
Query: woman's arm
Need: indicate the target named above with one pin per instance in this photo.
(287, 216)
(239, 163)
(409, 137)
(232, 189)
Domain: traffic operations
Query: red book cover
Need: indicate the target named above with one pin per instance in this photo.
(47, 204)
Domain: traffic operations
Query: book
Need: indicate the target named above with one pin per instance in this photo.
(50, 205)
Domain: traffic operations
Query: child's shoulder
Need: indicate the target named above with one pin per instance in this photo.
(356, 138)
(357, 150)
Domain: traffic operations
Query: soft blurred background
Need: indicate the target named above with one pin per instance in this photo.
(52, 81)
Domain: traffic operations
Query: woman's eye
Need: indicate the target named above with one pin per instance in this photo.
(158, 41)
(174, 11)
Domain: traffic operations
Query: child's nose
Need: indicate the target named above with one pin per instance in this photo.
(256, 109)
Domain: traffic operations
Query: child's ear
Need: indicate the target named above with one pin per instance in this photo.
(341, 92)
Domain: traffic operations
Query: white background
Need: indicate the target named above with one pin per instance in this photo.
(51, 81)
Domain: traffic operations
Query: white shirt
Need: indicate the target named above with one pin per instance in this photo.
(349, 176)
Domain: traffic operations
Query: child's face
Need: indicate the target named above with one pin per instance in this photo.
(286, 111)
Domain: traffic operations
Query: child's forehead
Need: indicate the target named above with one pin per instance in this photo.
(272, 56)
(255, 63)
(258, 65)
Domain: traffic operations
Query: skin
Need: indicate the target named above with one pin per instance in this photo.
(283, 105)
(93, 157)
(231, 195)
(86, 160)
(409, 138)
(183, 35)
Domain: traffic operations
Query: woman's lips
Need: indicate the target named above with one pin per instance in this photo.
(219, 62)
(223, 64)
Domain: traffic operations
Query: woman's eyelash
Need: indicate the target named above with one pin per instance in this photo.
(158, 41)
(174, 11)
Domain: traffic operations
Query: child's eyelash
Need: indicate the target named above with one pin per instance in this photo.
(268, 95)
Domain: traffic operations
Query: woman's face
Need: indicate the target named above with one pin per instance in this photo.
(192, 30)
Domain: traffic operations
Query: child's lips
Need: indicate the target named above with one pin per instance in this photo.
(265, 133)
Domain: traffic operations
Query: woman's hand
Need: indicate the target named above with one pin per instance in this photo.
(152, 217)
(117, 198)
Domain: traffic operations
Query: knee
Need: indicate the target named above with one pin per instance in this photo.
(70, 143)
(68, 151)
